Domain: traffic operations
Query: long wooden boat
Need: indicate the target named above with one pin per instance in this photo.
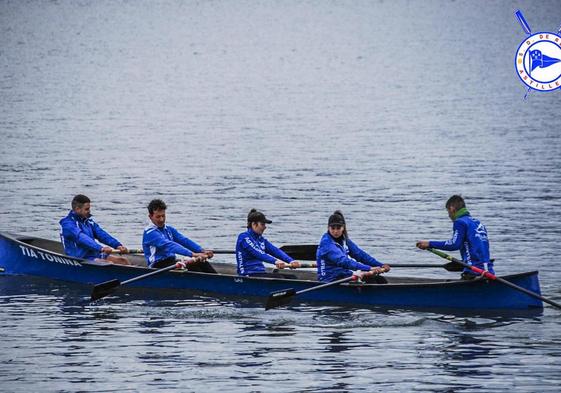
(26, 255)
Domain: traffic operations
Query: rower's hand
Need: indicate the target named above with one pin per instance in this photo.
(209, 253)
(123, 250)
(423, 244)
(280, 264)
(199, 257)
(363, 274)
(386, 267)
(295, 265)
(106, 250)
(377, 269)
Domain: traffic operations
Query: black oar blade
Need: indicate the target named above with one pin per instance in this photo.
(304, 252)
(453, 267)
(279, 298)
(104, 289)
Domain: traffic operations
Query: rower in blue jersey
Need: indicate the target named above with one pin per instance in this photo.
(468, 235)
(338, 256)
(79, 232)
(252, 249)
(161, 242)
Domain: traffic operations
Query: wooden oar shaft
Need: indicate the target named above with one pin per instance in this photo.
(328, 284)
(130, 251)
(491, 276)
(178, 265)
(302, 266)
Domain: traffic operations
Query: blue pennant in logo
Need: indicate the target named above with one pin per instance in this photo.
(538, 59)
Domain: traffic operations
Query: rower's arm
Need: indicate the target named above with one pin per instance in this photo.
(454, 243)
(250, 247)
(271, 249)
(360, 255)
(334, 256)
(185, 241)
(72, 232)
(104, 237)
(156, 239)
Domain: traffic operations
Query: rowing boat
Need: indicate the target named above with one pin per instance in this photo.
(28, 255)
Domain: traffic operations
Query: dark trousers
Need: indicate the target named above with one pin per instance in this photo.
(203, 267)
(375, 280)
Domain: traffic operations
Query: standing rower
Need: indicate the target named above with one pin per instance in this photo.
(468, 235)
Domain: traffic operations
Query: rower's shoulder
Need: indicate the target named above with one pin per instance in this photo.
(150, 228)
(68, 219)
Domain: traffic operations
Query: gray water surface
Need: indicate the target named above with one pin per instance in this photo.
(380, 109)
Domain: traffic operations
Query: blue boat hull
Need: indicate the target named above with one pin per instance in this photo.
(20, 255)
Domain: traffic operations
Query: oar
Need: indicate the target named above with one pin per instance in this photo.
(302, 266)
(105, 288)
(491, 276)
(450, 266)
(284, 297)
(305, 252)
(130, 251)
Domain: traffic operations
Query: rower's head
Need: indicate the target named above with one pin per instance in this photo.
(81, 205)
(257, 221)
(157, 212)
(336, 225)
(453, 204)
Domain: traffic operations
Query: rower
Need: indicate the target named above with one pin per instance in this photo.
(160, 242)
(338, 256)
(468, 235)
(252, 249)
(79, 232)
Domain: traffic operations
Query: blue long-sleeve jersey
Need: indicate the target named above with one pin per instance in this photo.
(470, 237)
(252, 250)
(78, 237)
(161, 243)
(337, 260)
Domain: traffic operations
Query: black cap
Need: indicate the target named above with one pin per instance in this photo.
(257, 216)
(336, 219)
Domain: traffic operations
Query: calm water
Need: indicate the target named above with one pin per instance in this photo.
(381, 109)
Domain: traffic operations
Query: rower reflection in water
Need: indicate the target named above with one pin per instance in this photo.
(161, 242)
(469, 236)
(338, 256)
(252, 249)
(79, 232)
